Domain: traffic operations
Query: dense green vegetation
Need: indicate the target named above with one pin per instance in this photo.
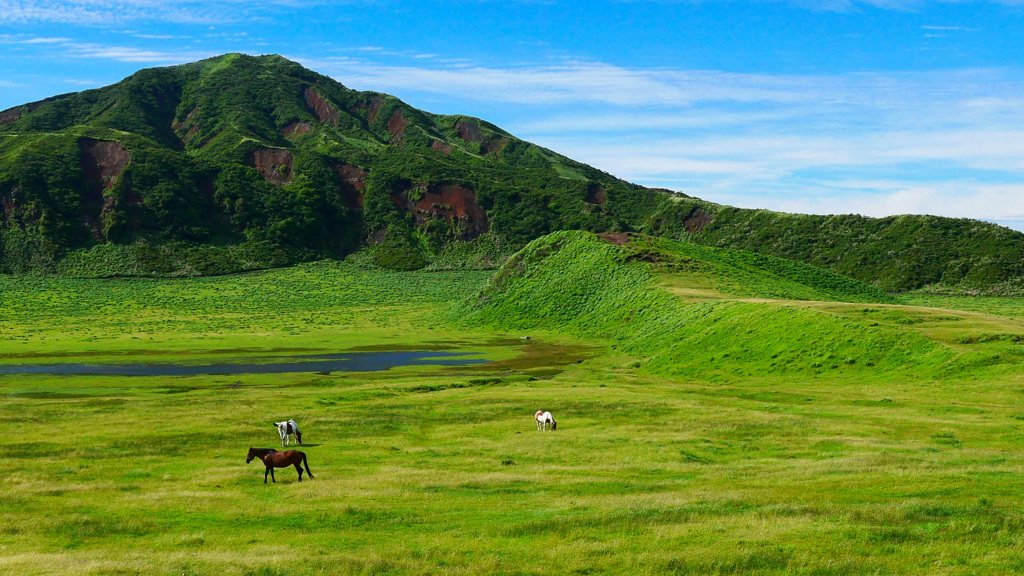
(684, 446)
(242, 163)
(239, 163)
(897, 253)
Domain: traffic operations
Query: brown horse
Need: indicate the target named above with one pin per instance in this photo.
(274, 459)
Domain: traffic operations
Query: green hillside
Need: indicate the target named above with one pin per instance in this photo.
(691, 310)
(243, 162)
(239, 163)
(896, 253)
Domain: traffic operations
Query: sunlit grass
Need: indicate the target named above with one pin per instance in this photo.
(744, 467)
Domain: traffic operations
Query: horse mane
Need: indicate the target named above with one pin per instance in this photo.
(262, 450)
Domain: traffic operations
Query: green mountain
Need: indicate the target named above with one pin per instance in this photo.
(238, 163)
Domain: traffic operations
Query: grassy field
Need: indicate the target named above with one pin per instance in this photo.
(684, 446)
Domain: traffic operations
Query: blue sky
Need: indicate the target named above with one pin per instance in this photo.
(839, 106)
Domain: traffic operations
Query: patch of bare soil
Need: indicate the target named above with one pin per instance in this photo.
(596, 195)
(469, 130)
(296, 129)
(698, 221)
(102, 162)
(441, 147)
(456, 204)
(13, 114)
(372, 108)
(274, 164)
(10, 115)
(188, 121)
(617, 238)
(396, 125)
(353, 183)
(321, 108)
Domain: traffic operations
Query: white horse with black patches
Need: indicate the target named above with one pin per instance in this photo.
(286, 429)
(544, 419)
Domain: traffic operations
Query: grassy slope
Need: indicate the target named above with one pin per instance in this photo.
(799, 470)
(722, 324)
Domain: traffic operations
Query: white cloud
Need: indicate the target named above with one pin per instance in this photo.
(106, 12)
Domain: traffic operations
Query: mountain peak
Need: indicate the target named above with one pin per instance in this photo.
(239, 162)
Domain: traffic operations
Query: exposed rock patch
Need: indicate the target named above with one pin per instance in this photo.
(296, 129)
(698, 221)
(441, 147)
(274, 164)
(372, 108)
(321, 108)
(103, 161)
(469, 130)
(188, 121)
(353, 184)
(396, 125)
(13, 114)
(10, 115)
(617, 238)
(596, 195)
(455, 204)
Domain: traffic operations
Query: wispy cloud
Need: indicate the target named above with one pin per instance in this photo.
(107, 12)
(951, 143)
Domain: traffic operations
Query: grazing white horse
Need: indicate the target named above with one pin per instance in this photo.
(286, 428)
(543, 419)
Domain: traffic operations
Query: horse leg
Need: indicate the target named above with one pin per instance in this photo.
(272, 475)
(298, 467)
(265, 472)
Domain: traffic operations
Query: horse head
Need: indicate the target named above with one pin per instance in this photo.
(252, 454)
(298, 436)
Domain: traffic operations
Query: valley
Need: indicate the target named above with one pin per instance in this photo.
(719, 412)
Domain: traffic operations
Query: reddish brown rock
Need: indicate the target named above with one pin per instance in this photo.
(372, 108)
(296, 129)
(441, 147)
(617, 238)
(455, 204)
(396, 125)
(274, 164)
(10, 115)
(353, 182)
(103, 161)
(13, 114)
(321, 108)
(698, 221)
(469, 130)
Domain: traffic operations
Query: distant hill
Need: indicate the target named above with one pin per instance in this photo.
(689, 310)
(238, 163)
(896, 253)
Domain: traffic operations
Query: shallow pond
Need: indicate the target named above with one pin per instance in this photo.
(342, 362)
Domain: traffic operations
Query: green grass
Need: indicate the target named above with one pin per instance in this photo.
(665, 462)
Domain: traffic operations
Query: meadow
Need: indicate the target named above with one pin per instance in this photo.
(684, 446)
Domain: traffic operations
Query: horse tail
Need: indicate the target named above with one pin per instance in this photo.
(306, 464)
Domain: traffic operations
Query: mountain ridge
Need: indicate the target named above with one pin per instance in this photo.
(244, 162)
